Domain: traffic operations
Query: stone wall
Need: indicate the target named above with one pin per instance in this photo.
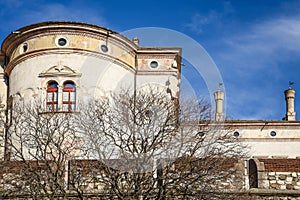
(282, 180)
(279, 174)
(277, 178)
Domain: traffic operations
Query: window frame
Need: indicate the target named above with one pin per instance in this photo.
(54, 99)
(71, 97)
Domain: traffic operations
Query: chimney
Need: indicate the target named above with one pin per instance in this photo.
(290, 108)
(219, 98)
(136, 41)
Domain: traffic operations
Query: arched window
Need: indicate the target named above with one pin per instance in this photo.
(52, 96)
(69, 96)
(253, 176)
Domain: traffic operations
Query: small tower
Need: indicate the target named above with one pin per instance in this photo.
(289, 99)
(219, 98)
(136, 41)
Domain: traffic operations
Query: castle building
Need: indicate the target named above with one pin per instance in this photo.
(62, 64)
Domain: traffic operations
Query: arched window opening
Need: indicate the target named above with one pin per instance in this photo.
(52, 96)
(69, 96)
(253, 176)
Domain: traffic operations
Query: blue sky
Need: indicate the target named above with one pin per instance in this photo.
(254, 43)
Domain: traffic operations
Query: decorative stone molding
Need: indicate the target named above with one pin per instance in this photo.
(59, 70)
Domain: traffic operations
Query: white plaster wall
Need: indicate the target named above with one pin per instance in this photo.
(3, 87)
(99, 76)
(94, 72)
(286, 143)
(275, 149)
(160, 79)
(264, 133)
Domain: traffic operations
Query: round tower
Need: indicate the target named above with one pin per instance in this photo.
(63, 63)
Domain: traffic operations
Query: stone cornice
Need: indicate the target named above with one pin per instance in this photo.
(56, 27)
(151, 56)
(156, 72)
(153, 50)
(61, 51)
(269, 139)
(253, 122)
(273, 192)
(262, 124)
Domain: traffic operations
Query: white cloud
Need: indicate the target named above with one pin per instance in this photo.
(38, 11)
(11, 3)
(268, 37)
(250, 58)
(57, 11)
(199, 22)
(255, 65)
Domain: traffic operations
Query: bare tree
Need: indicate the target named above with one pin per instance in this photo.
(40, 145)
(130, 145)
(146, 146)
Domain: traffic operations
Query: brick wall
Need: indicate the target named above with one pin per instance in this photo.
(281, 165)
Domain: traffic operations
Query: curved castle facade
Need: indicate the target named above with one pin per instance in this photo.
(64, 63)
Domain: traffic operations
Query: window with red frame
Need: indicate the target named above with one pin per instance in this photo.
(52, 96)
(69, 96)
